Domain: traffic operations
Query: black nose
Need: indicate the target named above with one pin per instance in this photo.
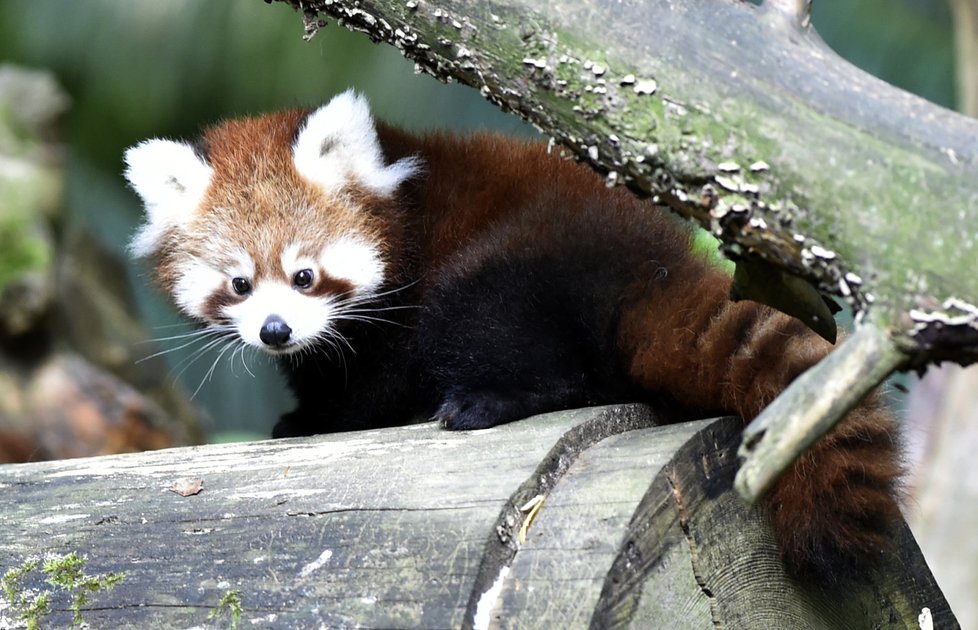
(274, 332)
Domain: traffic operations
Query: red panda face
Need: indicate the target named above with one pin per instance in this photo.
(280, 303)
(316, 286)
(266, 232)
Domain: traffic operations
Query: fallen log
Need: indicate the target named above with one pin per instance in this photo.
(586, 517)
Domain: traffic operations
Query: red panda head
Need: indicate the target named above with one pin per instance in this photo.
(265, 228)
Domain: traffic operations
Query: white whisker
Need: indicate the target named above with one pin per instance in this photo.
(389, 291)
(177, 325)
(197, 354)
(195, 337)
(210, 372)
(240, 351)
(331, 335)
(193, 333)
(367, 319)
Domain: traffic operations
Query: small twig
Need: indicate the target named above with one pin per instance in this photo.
(797, 12)
(812, 405)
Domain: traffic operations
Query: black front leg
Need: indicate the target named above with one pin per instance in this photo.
(298, 423)
(374, 387)
(517, 338)
(464, 409)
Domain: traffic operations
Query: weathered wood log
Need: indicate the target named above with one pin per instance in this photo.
(593, 516)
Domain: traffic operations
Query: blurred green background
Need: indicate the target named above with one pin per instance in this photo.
(138, 69)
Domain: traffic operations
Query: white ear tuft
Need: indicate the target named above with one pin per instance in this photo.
(338, 143)
(171, 178)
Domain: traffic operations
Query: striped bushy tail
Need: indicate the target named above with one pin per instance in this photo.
(832, 512)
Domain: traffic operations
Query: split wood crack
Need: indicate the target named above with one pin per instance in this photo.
(677, 496)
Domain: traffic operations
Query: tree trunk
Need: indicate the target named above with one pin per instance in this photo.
(593, 516)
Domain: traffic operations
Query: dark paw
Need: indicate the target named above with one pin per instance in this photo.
(475, 410)
(293, 424)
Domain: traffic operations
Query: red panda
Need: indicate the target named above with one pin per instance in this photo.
(478, 280)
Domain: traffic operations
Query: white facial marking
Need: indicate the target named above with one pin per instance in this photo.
(243, 266)
(172, 180)
(293, 262)
(306, 316)
(353, 259)
(196, 283)
(339, 143)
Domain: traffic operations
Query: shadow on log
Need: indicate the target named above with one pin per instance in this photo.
(592, 516)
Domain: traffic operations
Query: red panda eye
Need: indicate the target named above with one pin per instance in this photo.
(241, 286)
(303, 278)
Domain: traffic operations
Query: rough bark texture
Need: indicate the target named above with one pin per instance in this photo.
(591, 516)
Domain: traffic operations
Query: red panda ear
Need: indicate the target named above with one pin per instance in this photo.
(338, 145)
(171, 178)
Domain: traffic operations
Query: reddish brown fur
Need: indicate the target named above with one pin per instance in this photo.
(835, 503)
(460, 206)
